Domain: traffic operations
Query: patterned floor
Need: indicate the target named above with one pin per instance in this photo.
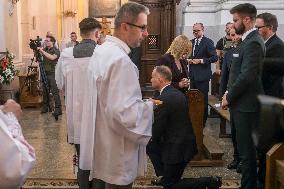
(72, 184)
(55, 156)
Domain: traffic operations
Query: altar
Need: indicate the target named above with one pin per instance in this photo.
(30, 94)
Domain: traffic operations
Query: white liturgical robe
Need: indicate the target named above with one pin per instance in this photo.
(70, 75)
(117, 123)
(17, 157)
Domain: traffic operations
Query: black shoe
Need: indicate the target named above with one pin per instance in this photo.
(239, 168)
(233, 165)
(156, 182)
(44, 110)
(214, 183)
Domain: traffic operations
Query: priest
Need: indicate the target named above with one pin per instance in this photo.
(116, 122)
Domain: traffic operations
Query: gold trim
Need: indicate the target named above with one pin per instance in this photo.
(80, 10)
(59, 19)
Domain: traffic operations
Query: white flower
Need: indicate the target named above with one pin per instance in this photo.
(1, 78)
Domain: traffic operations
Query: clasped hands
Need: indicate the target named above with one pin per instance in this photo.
(194, 61)
(184, 83)
(12, 106)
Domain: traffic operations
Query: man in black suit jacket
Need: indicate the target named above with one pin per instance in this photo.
(243, 87)
(203, 54)
(267, 24)
(173, 143)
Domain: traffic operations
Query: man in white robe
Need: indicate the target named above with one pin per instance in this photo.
(116, 123)
(70, 75)
(17, 157)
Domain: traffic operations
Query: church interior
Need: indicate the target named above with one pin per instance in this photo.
(22, 21)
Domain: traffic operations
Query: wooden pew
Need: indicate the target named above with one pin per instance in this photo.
(274, 178)
(223, 114)
(209, 152)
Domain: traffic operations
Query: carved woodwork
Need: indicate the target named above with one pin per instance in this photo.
(275, 167)
(196, 111)
(29, 88)
(209, 152)
(161, 29)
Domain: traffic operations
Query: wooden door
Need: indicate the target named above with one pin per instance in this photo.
(161, 29)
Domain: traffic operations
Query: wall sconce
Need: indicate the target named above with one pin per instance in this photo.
(69, 13)
(12, 5)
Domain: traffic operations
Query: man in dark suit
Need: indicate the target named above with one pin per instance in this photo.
(203, 54)
(243, 87)
(267, 25)
(173, 143)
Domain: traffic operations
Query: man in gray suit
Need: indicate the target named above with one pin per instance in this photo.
(243, 87)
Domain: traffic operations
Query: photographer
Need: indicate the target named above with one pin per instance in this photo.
(50, 57)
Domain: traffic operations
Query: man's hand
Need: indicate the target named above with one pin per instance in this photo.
(40, 49)
(194, 61)
(183, 83)
(12, 106)
(224, 102)
(218, 71)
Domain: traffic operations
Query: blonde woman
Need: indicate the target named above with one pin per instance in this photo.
(174, 58)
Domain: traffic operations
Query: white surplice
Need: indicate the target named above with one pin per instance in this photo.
(70, 75)
(117, 123)
(17, 157)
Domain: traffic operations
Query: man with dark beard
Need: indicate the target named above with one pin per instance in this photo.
(243, 87)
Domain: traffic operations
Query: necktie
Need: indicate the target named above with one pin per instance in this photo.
(196, 47)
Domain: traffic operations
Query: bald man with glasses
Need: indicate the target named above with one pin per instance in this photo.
(203, 55)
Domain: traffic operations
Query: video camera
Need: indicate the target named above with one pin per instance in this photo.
(35, 43)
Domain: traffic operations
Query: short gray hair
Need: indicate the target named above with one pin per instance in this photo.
(164, 71)
(129, 13)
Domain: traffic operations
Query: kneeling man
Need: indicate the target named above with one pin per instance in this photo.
(173, 143)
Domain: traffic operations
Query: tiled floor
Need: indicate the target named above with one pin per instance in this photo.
(54, 155)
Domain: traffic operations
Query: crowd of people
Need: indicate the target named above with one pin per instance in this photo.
(113, 128)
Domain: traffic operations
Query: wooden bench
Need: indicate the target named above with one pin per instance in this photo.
(274, 178)
(209, 152)
(223, 114)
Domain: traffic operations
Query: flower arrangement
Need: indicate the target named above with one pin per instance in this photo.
(7, 68)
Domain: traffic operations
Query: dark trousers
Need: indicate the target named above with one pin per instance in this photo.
(82, 175)
(55, 92)
(244, 123)
(234, 139)
(203, 87)
(261, 168)
(171, 172)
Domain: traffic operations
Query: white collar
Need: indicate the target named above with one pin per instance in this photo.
(247, 33)
(164, 88)
(119, 42)
(198, 39)
(269, 37)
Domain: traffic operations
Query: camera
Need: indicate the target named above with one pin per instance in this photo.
(35, 43)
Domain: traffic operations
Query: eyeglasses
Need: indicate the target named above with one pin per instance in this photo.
(143, 27)
(196, 31)
(259, 27)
